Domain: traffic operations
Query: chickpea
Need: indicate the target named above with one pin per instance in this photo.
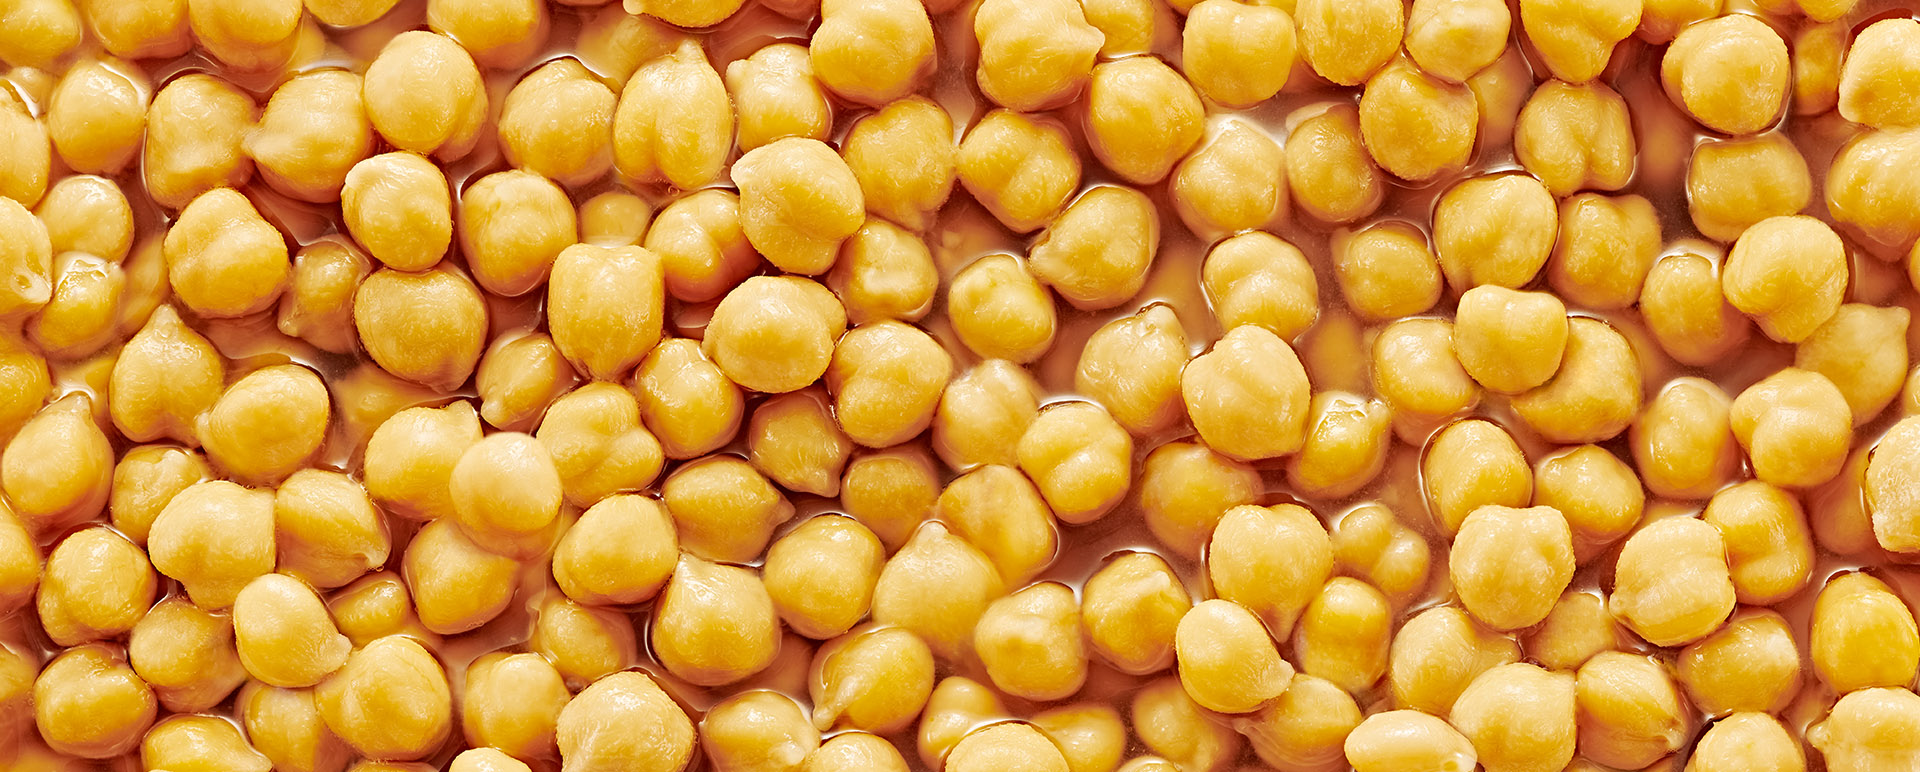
(214, 538)
(703, 250)
(620, 551)
(1605, 248)
(318, 304)
(520, 374)
(1769, 548)
(1248, 396)
(144, 480)
(268, 424)
(983, 414)
(1185, 488)
(793, 439)
(87, 214)
(196, 127)
(328, 531)
(285, 726)
(876, 679)
(1344, 635)
(674, 122)
(423, 93)
(1795, 427)
(1875, 81)
(1401, 96)
(798, 202)
(887, 380)
(1596, 491)
(1169, 723)
(1510, 565)
(80, 317)
(1132, 365)
(20, 567)
(1576, 41)
(1862, 635)
(512, 226)
(23, 175)
(714, 624)
(1864, 193)
(1519, 717)
(904, 158)
(585, 644)
(456, 584)
(821, 575)
(146, 284)
(223, 259)
(486, 760)
(1021, 167)
(1818, 53)
(1348, 43)
(1256, 278)
(614, 43)
(1455, 39)
(375, 606)
(686, 400)
(1873, 366)
(625, 721)
(1304, 728)
(1030, 643)
(1745, 741)
(615, 218)
(1131, 607)
(58, 469)
(1575, 136)
(1142, 117)
(1734, 183)
(1630, 714)
(250, 37)
(1788, 298)
(1751, 664)
(890, 492)
(390, 700)
(775, 334)
(1596, 394)
(1346, 447)
(1867, 730)
(1270, 560)
(96, 115)
(996, 508)
(499, 34)
(28, 265)
(937, 586)
(855, 752)
(1014, 746)
(1407, 739)
(1034, 56)
(1886, 495)
(1497, 229)
(313, 133)
(1577, 628)
(1671, 584)
(1327, 168)
(426, 327)
(143, 30)
(1509, 341)
(1684, 308)
(397, 206)
(757, 731)
(725, 509)
(1385, 271)
(25, 383)
(999, 309)
(956, 707)
(1096, 254)
(284, 634)
(604, 307)
(1080, 459)
(95, 585)
(1471, 464)
(1370, 543)
(87, 702)
(1730, 74)
(776, 95)
(1234, 53)
(1227, 661)
(872, 52)
(411, 456)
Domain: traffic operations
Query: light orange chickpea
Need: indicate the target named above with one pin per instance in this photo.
(775, 334)
(410, 458)
(1347, 43)
(1030, 643)
(1576, 40)
(520, 374)
(1751, 664)
(615, 218)
(983, 413)
(1438, 653)
(996, 509)
(95, 585)
(1687, 313)
(1787, 297)
(714, 624)
(1096, 254)
(605, 307)
(214, 538)
(397, 206)
(1328, 169)
(584, 643)
(1519, 717)
(686, 401)
(87, 702)
(1862, 350)
(313, 132)
(284, 634)
(1734, 183)
(318, 304)
(1866, 191)
(674, 121)
(884, 272)
(1091, 735)
(1171, 726)
(625, 721)
(1132, 367)
(793, 439)
(1575, 137)
(723, 508)
(1671, 582)
(1344, 635)
(821, 575)
(285, 726)
(1867, 730)
(1596, 491)
(1876, 82)
(875, 679)
(614, 43)
(80, 315)
(96, 115)
(1272, 561)
(1730, 73)
(1259, 279)
(165, 377)
(1228, 663)
(512, 226)
(1303, 729)
(1385, 271)
(1509, 566)
(146, 284)
(1885, 489)
(144, 30)
(249, 37)
(1248, 396)
(500, 34)
(195, 129)
(904, 157)
(1862, 635)
(25, 384)
(377, 605)
(1142, 117)
(1238, 55)
(855, 752)
(1578, 627)
(999, 309)
(1747, 741)
(598, 444)
(1795, 427)
(223, 258)
(1630, 712)
(1400, 97)
(469, 760)
(872, 52)
(1134, 26)
(1370, 543)
(1407, 739)
(1346, 447)
(512, 702)
(757, 731)
(88, 214)
(776, 95)
(1080, 458)
(1419, 376)
(1034, 56)
(423, 93)
(936, 587)
(891, 491)
(1497, 229)
(1769, 548)
(622, 550)
(1509, 341)
(1021, 167)
(267, 425)
(703, 250)
(427, 327)
(798, 202)
(391, 700)
(327, 530)
(1605, 249)
(1683, 444)
(456, 585)
(1455, 39)
(58, 468)
(1595, 395)
(21, 564)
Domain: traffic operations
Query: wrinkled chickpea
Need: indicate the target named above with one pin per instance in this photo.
(1248, 396)
(1876, 82)
(585, 644)
(1370, 543)
(890, 492)
(1169, 723)
(1273, 561)
(686, 401)
(775, 334)
(1596, 394)
(1870, 729)
(214, 538)
(1497, 229)
(1682, 304)
(1401, 97)
(1519, 717)
(1304, 728)
(703, 250)
(875, 679)
(983, 413)
(1347, 43)
(1131, 608)
(1132, 366)
(1237, 55)
(1630, 713)
(58, 468)
(95, 585)
(1769, 549)
(821, 575)
(798, 202)
(223, 259)
(1080, 459)
(318, 304)
(87, 214)
(1576, 40)
(1729, 73)
(1096, 254)
(1734, 183)
(714, 624)
(144, 480)
(1000, 511)
(1259, 279)
(196, 128)
(80, 315)
(426, 327)
(1386, 271)
(249, 37)
(725, 509)
(887, 380)
(1862, 350)
(312, 133)
(937, 586)
(1030, 643)
(1862, 635)
(904, 157)
(598, 444)
(1596, 491)
(520, 374)
(87, 702)
(793, 439)
(140, 30)
(1510, 565)
(1747, 741)
(1575, 137)
(1417, 373)
(1788, 273)
(1455, 39)
(410, 458)
(674, 122)
(1671, 582)
(872, 52)
(1577, 628)
(398, 207)
(327, 530)
(1866, 189)
(605, 307)
(456, 584)
(1227, 661)
(1327, 168)
(375, 606)
(1471, 464)
(1346, 447)
(285, 726)
(1751, 664)
(1509, 341)
(1795, 427)
(1021, 167)
(1605, 248)
(512, 226)
(776, 95)
(268, 424)
(1407, 739)
(855, 752)
(423, 93)
(1345, 634)
(625, 721)
(620, 551)
(757, 731)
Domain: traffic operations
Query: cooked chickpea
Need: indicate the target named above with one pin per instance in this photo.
(250, 37)
(937, 586)
(1510, 565)
(1344, 635)
(224, 259)
(500, 34)
(398, 207)
(80, 316)
(512, 226)
(1509, 341)
(28, 256)
(1131, 608)
(1886, 490)
(757, 731)
(1862, 350)
(1865, 189)
(166, 376)
(1248, 396)
(1132, 366)
(1013, 747)
(267, 424)
(1096, 253)
(855, 752)
(1400, 97)
(874, 679)
(625, 721)
(423, 93)
(486, 760)
(904, 157)
(196, 127)
(328, 531)
(983, 413)
(776, 95)
(821, 575)
(725, 509)
(1370, 543)
(999, 309)
(714, 624)
(284, 634)
(1407, 739)
(1169, 723)
(1577, 628)
(1730, 73)
(1795, 427)
(87, 214)
(141, 30)
(1769, 548)
(584, 643)
(144, 480)
(798, 202)
(1021, 167)
(512, 702)
(1596, 394)
(1630, 713)
(1142, 117)
(1596, 491)
(996, 508)
(1455, 39)
(1184, 489)
(318, 304)
(1605, 248)
(1471, 464)
(1747, 741)
(1497, 229)
(1575, 136)
(1034, 56)
(1518, 717)
(429, 327)
(1272, 561)
(1576, 40)
(794, 440)
(1327, 169)
(1686, 312)
(25, 384)
(891, 492)
(57, 470)
(312, 134)
(410, 458)
(1819, 51)
(620, 551)
(29, 162)
(686, 400)
(375, 606)
(872, 52)
(456, 584)
(1870, 729)
(1862, 635)
(214, 538)
(887, 380)
(775, 334)
(674, 122)
(21, 564)
(1386, 271)
(703, 250)
(390, 700)
(1090, 735)
(1671, 583)
(1876, 82)
(1227, 661)
(520, 374)
(285, 726)
(605, 307)
(1237, 55)
(1789, 274)
(95, 585)
(1751, 664)
(87, 702)
(615, 218)
(1734, 183)
(1080, 458)
(1258, 279)
(1348, 43)
(1304, 728)
(1030, 643)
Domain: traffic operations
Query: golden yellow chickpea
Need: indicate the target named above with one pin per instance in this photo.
(285, 726)
(500, 34)
(1578, 627)
(1455, 39)
(875, 679)
(620, 551)
(1015, 746)
(1034, 56)
(456, 584)
(483, 760)
(1510, 565)
(410, 459)
(25, 383)
(998, 510)
(1596, 394)
(80, 317)
(625, 721)
(1876, 81)
(318, 304)
(725, 509)
(1819, 51)
(1471, 464)
(24, 173)
(520, 374)
(1660, 20)
(1769, 548)
(87, 702)
(1186, 487)
(776, 95)
(1671, 583)
(88, 214)
(1682, 304)
(268, 424)
(398, 207)
(1747, 741)
(887, 380)
(615, 218)
(1080, 458)
(999, 309)
(313, 132)
(1519, 717)
(20, 566)
(1169, 723)
(1272, 561)
(674, 122)
(584, 643)
(1257, 278)
(1407, 739)
(1862, 350)
(1788, 273)
(391, 700)
(146, 284)
(328, 532)
(821, 575)
(96, 115)
(140, 30)
(512, 226)
(891, 492)
(1385, 271)
(186, 655)
(1344, 635)
(1730, 73)
(855, 752)
(1096, 254)
(1348, 43)
(195, 130)
(775, 334)
(1248, 396)
(956, 707)
(1369, 542)
(872, 52)
(1237, 55)
(1091, 735)
(1132, 367)
(703, 250)
(1142, 117)
(798, 202)
(614, 43)
(250, 37)
(1575, 136)
(512, 702)
(1228, 663)
(1865, 189)
(223, 258)
(884, 272)
(1131, 608)
(1021, 167)
(1734, 183)
(794, 440)
(1605, 248)
(1327, 168)
(1030, 643)
(1751, 664)
(1507, 340)
(1630, 713)
(423, 93)
(284, 634)
(1868, 730)
(1886, 489)
(605, 307)
(936, 587)
(1795, 427)
(1596, 491)
(598, 444)
(686, 400)
(429, 327)
(714, 624)
(375, 606)
(757, 731)
(1303, 729)
(1862, 635)
(1497, 229)
(58, 469)
(904, 158)
(95, 585)
(214, 538)
(983, 413)
(28, 262)
(1576, 40)
(1400, 97)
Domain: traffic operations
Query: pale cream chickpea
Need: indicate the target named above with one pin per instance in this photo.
(1327, 168)
(1303, 729)
(1141, 118)
(1344, 635)
(1407, 739)
(1496, 229)
(775, 334)
(456, 584)
(1021, 167)
(776, 95)
(520, 374)
(1237, 55)
(214, 538)
(1671, 582)
(285, 636)
(1877, 83)
(96, 115)
(1866, 189)
(1769, 549)
(391, 700)
(1788, 273)
(1605, 249)
(1819, 51)
(723, 508)
(983, 413)
(410, 458)
(140, 30)
(1730, 74)
(1346, 448)
(1519, 717)
(57, 470)
(905, 159)
(1507, 340)
(1079, 458)
(95, 585)
(999, 511)
(1751, 664)
(714, 624)
(855, 752)
(1630, 712)
(625, 721)
(674, 122)
(1868, 730)
(757, 731)
(1171, 726)
(1862, 635)
(584, 643)
(1862, 350)
(1471, 464)
(1687, 313)
(1096, 254)
(1369, 542)
(21, 563)
(1596, 394)
(1346, 43)
(621, 551)
(686, 401)
(1794, 426)
(1132, 365)
(1401, 97)
(267, 425)
(512, 225)
(313, 132)
(872, 52)
(605, 307)
(318, 304)
(1034, 56)
(423, 93)
(1248, 395)
(1131, 608)
(1747, 741)
(615, 218)
(1272, 561)
(375, 606)
(821, 575)
(793, 440)
(249, 37)
(1576, 40)
(887, 380)
(875, 679)
(1259, 279)
(1031, 645)
(1597, 492)
(186, 655)
(223, 259)
(798, 202)
(80, 315)
(398, 207)
(1455, 39)
(1734, 183)
(891, 491)
(327, 530)
(87, 702)
(703, 250)
(1417, 373)
(1014, 746)
(285, 726)
(1000, 310)
(499, 33)
(1385, 271)
(936, 587)
(1578, 627)
(195, 130)
(1510, 565)
(1575, 136)
(1227, 661)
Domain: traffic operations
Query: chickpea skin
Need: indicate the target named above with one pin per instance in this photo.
(1795, 427)
(1519, 717)
(775, 334)
(1368, 542)
(1227, 661)
(1345, 635)
(398, 207)
(268, 424)
(1169, 723)
(1576, 40)
(1080, 459)
(725, 509)
(714, 624)
(1233, 52)
(423, 93)
(1874, 364)
(776, 95)
(1578, 627)
(703, 250)
(1876, 82)
(904, 157)
(79, 317)
(312, 134)
(223, 259)
(1747, 741)
(1272, 561)
(1682, 304)
(887, 380)
(1575, 136)
(512, 226)
(1259, 279)
(1012, 747)
(983, 413)
(1671, 583)
(1862, 635)
(95, 585)
(1497, 229)
(96, 115)
(1471, 464)
(284, 634)
(1630, 713)
(1401, 96)
(327, 530)
(1097, 253)
(1034, 56)
(1242, 415)
(1510, 565)
(1595, 395)
(1131, 608)
(196, 127)
(167, 375)
(1789, 274)
(1751, 664)
(620, 551)
(410, 459)
(625, 721)
(1132, 367)
(87, 702)
(1385, 271)
(1509, 341)
(1030, 643)
(1327, 168)
(821, 575)
(1868, 730)
(1734, 183)
(674, 122)
(318, 304)
(1407, 739)
(513, 702)
(58, 469)
(1455, 39)
(1347, 43)
(876, 679)
(1729, 73)
(794, 440)
(937, 586)
(456, 584)
(1865, 189)
(1142, 117)
(520, 374)
(872, 52)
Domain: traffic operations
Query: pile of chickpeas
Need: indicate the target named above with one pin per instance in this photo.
(959, 385)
